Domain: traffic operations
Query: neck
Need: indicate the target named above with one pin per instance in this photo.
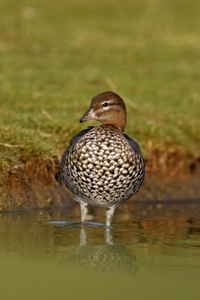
(119, 123)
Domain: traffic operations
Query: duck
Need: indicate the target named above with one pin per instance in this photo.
(103, 166)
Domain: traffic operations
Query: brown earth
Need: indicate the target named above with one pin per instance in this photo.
(38, 185)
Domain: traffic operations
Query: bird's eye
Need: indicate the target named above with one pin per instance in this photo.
(105, 104)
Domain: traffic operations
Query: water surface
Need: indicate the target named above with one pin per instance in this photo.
(152, 251)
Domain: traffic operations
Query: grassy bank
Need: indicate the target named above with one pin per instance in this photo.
(56, 55)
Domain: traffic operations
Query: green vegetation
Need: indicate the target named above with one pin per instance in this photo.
(56, 55)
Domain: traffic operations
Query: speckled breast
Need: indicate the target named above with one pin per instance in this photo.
(103, 168)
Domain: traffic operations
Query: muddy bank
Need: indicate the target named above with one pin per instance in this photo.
(40, 186)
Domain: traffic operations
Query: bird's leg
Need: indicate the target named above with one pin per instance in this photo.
(84, 211)
(109, 215)
(108, 236)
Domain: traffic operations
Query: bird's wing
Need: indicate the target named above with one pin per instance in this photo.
(132, 143)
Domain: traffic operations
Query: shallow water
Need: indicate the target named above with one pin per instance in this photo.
(152, 250)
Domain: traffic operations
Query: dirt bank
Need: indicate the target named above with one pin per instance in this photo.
(39, 185)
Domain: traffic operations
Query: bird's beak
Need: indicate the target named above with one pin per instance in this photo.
(89, 115)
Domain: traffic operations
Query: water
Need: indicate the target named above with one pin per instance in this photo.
(152, 251)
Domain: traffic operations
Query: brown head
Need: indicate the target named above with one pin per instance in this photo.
(109, 109)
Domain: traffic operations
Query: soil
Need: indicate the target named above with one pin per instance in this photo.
(39, 185)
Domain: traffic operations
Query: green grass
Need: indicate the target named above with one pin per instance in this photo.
(56, 55)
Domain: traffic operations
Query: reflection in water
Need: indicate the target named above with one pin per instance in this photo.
(153, 233)
(43, 255)
(102, 257)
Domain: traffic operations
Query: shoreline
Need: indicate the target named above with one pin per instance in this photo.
(38, 185)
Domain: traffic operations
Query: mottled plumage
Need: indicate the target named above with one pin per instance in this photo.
(102, 166)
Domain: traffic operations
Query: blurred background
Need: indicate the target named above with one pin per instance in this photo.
(56, 55)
